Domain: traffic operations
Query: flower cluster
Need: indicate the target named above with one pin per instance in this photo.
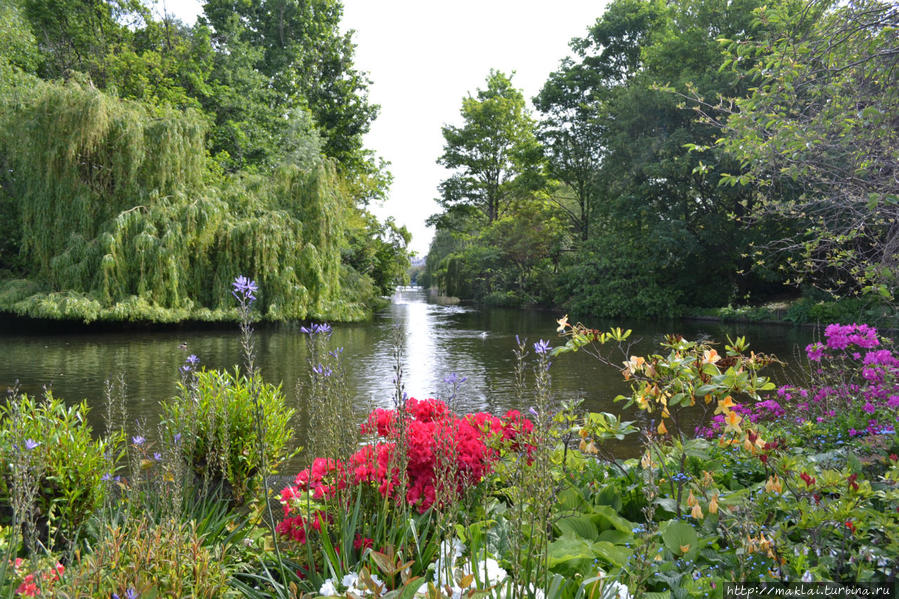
(29, 586)
(473, 446)
(853, 378)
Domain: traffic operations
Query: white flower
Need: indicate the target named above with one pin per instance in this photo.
(447, 554)
(350, 580)
(621, 590)
(328, 589)
(487, 571)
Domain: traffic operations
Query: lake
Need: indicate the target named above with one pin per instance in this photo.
(436, 339)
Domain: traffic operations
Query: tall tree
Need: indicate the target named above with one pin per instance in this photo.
(303, 62)
(572, 134)
(494, 152)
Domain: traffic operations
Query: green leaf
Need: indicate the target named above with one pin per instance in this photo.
(580, 526)
(606, 517)
(678, 535)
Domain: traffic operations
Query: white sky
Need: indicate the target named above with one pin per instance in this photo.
(423, 57)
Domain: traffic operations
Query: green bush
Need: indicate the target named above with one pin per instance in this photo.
(73, 464)
(144, 559)
(215, 414)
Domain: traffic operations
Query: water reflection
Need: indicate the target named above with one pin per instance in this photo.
(437, 340)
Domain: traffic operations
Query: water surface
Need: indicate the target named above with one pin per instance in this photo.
(436, 340)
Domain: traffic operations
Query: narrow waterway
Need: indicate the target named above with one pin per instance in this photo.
(436, 340)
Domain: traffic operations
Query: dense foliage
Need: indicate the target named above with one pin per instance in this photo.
(692, 160)
(147, 163)
(732, 480)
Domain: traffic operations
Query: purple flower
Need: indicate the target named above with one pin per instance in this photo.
(30, 444)
(157, 456)
(542, 346)
(814, 352)
(455, 379)
(137, 440)
(192, 360)
(322, 370)
(106, 477)
(244, 289)
(131, 594)
(177, 437)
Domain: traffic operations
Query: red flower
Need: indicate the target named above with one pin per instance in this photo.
(436, 441)
(809, 480)
(360, 542)
(850, 526)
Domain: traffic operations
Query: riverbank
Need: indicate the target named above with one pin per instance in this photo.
(803, 312)
(20, 299)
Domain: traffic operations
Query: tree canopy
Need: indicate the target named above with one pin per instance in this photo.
(702, 153)
(147, 163)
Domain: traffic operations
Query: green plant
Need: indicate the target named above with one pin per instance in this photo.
(225, 447)
(72, 485)
(149, 559)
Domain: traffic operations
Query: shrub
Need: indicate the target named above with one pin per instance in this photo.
(216, 412)
(74, 465)
(146, 559)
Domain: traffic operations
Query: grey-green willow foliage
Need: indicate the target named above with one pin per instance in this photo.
(117, 216)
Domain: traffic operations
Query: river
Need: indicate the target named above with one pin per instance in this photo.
(436, 340)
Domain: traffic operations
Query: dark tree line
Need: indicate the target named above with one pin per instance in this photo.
(689, 154)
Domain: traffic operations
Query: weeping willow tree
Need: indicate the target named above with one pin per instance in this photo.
(119, 220)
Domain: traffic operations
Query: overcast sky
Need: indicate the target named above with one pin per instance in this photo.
(423, 57)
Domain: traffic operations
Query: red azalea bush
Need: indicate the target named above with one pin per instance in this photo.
(469, 445)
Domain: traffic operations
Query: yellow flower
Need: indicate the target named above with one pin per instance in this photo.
(774, 484)
(563, 322)
(691, 500)
(732, 421)
(710, 356)
(646, 460)
(724, 405)
(747, 445)
(662, 430)
(713, 504)
(696, 512)
(684, 548)
(634, 364)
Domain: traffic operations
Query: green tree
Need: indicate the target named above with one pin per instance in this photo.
(572, 134)
(494, 153)
(823, 118)
(652, 186)
(77, 35)
(276, 57)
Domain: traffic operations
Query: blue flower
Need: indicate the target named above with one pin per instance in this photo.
(192, 360)
(455, 379)
(30, 444)
(177, 437)
(157, 456)
(244, 289)
(137, 440)
(131, 594)
(541, 347)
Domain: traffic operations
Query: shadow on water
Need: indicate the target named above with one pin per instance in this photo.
(438, 340)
